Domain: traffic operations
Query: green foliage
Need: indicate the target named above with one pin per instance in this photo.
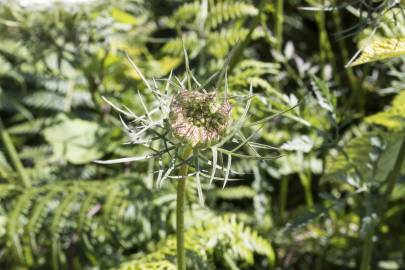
(380, 50)
(392, 118)
(318, 206)
(367, 158)
(77, 141)
(221, 237)
(75, 215)
(203, 19)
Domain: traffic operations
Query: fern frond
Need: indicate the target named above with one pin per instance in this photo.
(58, 215)
(38, 215)
(186, 13)
(217, 42)
(83, 222)
(224, 11)
(256, 73)
(155, 265)
(219, 12)
(219, 236)
(15, 219)
(220, 42)
(5, 168)
(175, 46)
(56, 225)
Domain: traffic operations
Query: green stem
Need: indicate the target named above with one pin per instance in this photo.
(367, 251)
(368, 240)
(345, 54)
(306, 185)
(391, 181)
(12, 153)
(181, 198)
(325, 48)
(283, 196)
(278, 30)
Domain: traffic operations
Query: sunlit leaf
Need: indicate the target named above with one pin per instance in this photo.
(123, 17)
(394, 117)
(380, 50)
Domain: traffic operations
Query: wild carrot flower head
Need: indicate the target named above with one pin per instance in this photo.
(194, 118)
(199, 119)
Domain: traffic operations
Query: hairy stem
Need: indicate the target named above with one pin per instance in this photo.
(181, 197)
(12, 153)
(391, 181)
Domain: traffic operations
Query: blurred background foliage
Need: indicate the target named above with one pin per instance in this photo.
(337, 191)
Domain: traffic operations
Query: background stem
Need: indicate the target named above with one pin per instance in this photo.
(343, 49)
(306, 183)
(181, 197)
(368, 240)
(283, 196)
(278, 30)
(367, 251)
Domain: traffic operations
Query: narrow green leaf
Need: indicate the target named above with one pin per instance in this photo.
(214, 162)
(228, 168)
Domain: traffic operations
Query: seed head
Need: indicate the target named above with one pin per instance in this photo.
(198, 119)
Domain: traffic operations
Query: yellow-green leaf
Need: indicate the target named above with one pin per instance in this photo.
(123, 17)
(381, 49)
(394, 117)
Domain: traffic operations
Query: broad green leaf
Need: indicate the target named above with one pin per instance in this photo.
(77, 141)
(372, 155)
(381, 49)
